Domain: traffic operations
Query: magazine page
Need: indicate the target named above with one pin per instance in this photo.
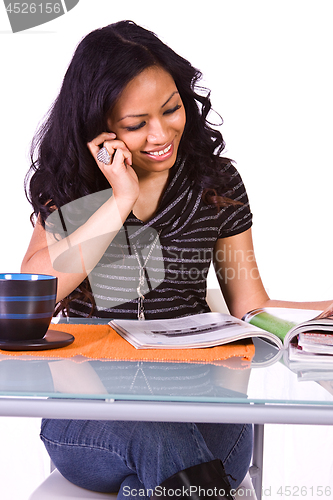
(291, 314)
(269, 322)
(283, 322)
(200, 330)
(312, 333)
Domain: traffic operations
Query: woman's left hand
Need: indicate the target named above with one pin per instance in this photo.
(327, 313)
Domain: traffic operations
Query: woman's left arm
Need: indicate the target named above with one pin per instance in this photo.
(238, 275)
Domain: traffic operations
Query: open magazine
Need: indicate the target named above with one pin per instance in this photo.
(284, 328)
(309, 339)
(200, 330)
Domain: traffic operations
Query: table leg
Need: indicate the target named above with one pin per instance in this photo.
(256, 470)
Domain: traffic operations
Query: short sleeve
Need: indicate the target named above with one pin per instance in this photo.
(235, 219)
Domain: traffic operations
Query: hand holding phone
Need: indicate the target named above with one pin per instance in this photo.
(115, 161)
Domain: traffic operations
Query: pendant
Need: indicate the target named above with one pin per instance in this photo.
(141, 314)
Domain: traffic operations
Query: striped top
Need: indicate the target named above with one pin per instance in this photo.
(173, 250)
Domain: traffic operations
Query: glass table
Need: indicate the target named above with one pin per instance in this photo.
(267, 391)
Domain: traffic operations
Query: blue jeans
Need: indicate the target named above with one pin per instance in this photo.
(109, 456)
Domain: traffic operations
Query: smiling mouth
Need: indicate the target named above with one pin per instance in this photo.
(159, 153)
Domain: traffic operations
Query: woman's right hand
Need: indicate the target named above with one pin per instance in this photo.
(120, 173)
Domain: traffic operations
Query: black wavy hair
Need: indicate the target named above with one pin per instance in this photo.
(63, 169)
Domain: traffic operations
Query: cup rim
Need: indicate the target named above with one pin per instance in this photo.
(25, 277)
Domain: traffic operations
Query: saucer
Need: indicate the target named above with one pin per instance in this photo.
(53, 339)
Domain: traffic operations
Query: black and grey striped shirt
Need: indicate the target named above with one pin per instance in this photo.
(175, 248)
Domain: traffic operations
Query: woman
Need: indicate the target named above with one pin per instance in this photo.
(128, 138)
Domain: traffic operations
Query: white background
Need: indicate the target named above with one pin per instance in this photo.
(269, 67)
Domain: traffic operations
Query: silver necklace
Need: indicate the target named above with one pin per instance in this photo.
(142, 273)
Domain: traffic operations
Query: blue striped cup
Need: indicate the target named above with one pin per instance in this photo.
(27, 303)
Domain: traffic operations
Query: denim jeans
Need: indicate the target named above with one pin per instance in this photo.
(109, 456)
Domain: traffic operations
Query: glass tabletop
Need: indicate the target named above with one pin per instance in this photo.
(267, 380)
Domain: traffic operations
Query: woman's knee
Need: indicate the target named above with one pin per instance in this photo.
(231, 443)
(82, 457)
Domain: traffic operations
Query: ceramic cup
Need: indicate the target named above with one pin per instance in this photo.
(27, 303)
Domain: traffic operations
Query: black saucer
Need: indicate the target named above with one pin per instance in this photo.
(53, 339)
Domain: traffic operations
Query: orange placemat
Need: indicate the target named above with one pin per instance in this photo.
(102, 342)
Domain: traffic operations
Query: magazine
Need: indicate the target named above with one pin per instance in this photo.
(309, 340)
(212, 329)
(197, 331)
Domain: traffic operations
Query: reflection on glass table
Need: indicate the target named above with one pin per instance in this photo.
(267, 380)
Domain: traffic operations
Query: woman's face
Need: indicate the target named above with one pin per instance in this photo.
(149, 117)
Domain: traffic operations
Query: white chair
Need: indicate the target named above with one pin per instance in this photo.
(216, 300)
(56, 487)
(245, 489)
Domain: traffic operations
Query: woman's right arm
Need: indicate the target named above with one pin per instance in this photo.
(72, 258)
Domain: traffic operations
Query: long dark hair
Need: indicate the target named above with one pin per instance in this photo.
(63, 169)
